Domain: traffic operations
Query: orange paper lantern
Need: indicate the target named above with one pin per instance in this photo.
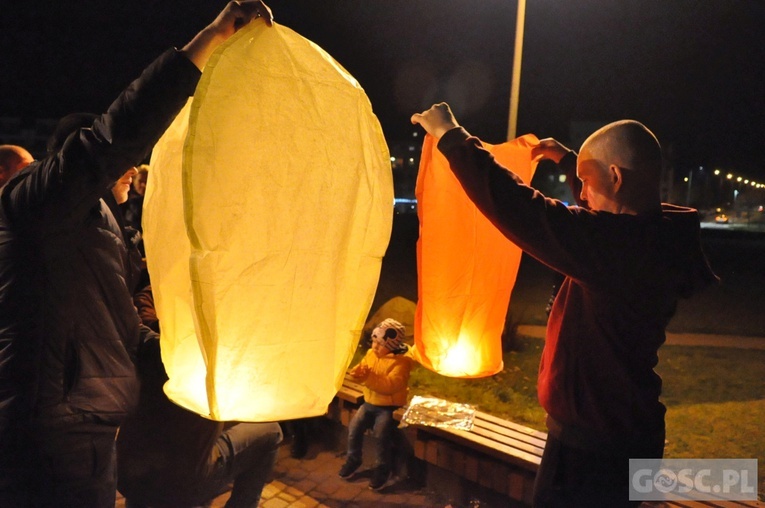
(466, 268)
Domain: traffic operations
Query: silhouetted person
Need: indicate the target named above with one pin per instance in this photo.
(168, 456)
(13, 158)
(132, 207)
(68, 329)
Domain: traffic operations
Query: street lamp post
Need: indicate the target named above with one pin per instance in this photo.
(515, 86)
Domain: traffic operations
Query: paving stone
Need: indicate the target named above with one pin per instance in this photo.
(274, 503)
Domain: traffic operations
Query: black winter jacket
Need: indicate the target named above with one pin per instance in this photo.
(68, 328)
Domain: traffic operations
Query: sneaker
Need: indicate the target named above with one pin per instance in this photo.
(379, 478)
(349, 468)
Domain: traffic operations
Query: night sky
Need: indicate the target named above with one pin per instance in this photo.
(692, 70)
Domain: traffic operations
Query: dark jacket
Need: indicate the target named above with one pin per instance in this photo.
(623, 277)
(68, 328)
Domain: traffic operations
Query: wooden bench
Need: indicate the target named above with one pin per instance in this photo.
(347, 401)
(497, 454)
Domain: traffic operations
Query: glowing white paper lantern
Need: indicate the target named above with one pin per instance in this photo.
(287, 204)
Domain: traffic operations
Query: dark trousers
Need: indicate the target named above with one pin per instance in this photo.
(62, 468)
(247, 456)
(570, 477)
(244, 454)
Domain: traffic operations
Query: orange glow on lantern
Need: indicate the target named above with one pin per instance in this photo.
(466, 268)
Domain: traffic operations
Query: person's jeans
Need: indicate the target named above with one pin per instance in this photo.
(380, 419)
(247, 455)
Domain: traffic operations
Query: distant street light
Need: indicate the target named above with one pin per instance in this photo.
(515, 85)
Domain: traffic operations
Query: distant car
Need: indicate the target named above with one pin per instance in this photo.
(721, 218)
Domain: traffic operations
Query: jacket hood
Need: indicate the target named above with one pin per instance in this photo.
(681, 233)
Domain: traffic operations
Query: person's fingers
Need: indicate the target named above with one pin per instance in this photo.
(420, 117)
(247, 10)
(266, 14)
(441, 106)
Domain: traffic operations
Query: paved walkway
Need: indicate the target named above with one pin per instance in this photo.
(313, 482)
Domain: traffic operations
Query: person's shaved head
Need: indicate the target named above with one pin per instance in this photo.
(13, 159)
(624, 158)
(627, 143)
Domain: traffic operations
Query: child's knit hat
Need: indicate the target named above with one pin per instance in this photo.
(390, 333)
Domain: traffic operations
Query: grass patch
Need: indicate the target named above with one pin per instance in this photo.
(711, 374)
(511, 394)
(715, 398)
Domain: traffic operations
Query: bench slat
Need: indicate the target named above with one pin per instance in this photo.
(348, 382)
(507, 433)
(351, 391)
(498, 441)
(353, 397)
(490, 447)
(512, 425)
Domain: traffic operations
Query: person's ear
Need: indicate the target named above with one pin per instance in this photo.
(617, 176)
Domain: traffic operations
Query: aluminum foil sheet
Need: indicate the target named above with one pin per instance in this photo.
(434, 412)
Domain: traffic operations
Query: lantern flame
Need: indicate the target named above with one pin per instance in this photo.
(460, 359)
